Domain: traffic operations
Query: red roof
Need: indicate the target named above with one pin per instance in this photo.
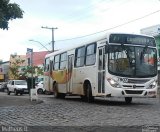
(39, 57)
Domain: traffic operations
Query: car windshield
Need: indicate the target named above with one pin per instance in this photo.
(132, 61)
(20, 82)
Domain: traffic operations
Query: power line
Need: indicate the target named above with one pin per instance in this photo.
(40, 44)
(46, 45)
(51, 28)
(82, 17)
(86, 9)
(113, 27)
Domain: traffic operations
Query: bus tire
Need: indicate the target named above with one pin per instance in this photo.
(62, 95)
(128, 100)
(89, 96)
(83, 98)
(56, 93)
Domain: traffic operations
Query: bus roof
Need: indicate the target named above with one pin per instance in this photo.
(88, 40)
(81, 42)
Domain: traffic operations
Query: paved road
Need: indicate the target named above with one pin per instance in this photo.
(71, 114)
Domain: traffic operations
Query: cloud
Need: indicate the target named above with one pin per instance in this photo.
(73, 19)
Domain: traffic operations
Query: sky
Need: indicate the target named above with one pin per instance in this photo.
(74, 19)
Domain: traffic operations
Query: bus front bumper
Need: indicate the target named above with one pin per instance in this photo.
(119, 92)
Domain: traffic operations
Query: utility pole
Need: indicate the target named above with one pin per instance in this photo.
(30, 51)
(52, 28)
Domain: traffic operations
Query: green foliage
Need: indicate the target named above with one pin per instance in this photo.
(40, 71)
(35, 69)
(17, 71)
(9, 11)
(14, 68)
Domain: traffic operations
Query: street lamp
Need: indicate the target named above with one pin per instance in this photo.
(39, 43)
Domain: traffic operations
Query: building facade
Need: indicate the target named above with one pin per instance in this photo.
(4, 68)
(20, 61)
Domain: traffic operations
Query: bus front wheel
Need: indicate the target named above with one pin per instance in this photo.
(128, 100)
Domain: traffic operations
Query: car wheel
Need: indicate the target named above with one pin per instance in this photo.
(40, 91)
(15, 92)
(8, 92)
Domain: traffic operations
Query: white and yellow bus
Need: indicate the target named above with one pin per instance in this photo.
(115, 65)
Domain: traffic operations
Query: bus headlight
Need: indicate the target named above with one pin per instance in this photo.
(152, 85)
(113, 83)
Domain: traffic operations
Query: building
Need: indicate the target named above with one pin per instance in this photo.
(38, 58)
(17, 63)
(38, 61)
(22, 61)
(4, 68)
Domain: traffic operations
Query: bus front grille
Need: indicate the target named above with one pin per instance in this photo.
(142, 81)
(134, 91)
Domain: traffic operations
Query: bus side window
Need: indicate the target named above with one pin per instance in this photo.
(80, 56)
(91, 54)
(46, 66)
(56, 62)
(51, 65)
(100, 59)
(63, 60)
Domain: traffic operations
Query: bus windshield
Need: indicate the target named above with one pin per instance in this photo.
(132, 61)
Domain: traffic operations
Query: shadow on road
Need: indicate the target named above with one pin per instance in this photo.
(111, 101)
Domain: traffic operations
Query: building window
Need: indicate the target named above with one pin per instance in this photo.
(29, 61)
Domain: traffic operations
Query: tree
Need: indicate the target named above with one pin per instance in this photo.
(15, 67)
(38, 71)
(9, 11)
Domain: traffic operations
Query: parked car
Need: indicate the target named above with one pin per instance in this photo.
(3, 87)
(38, 79)
(17, 87)
(40, 88)
(0, 86)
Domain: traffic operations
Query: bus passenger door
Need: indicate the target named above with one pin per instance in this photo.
(47, 75)
(69, 73)
(101, 69)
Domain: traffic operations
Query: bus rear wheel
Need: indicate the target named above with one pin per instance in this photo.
(56, 93)
(128, 100)
(59, 95)
(89, 96)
